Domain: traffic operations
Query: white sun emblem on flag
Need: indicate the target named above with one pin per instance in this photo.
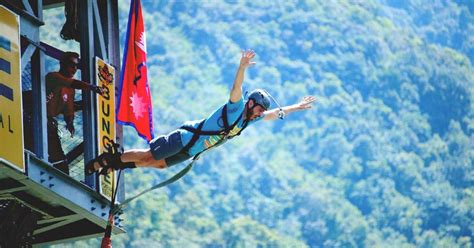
(138, 105)
(141, 43)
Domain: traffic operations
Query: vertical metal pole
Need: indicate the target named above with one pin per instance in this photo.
(39, 4)
(113, 34)
(114, 57)
(40, 145)
(99, 18)
(87, 60)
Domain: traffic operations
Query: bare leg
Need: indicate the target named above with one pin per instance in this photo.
(142, 158)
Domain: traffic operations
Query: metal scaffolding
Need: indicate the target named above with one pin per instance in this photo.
(41, 205)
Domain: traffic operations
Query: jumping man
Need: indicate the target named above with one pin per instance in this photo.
(194, 137)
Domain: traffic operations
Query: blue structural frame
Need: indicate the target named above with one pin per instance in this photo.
(66, 209)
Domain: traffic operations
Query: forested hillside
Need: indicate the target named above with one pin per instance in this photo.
(383, 159)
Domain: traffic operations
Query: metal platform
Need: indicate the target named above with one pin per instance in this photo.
(42, 205)
(67, 210)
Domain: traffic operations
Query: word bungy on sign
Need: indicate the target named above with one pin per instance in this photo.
(105, 118)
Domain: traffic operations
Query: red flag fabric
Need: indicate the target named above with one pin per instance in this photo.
(134, 106)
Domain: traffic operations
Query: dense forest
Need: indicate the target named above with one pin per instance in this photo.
(383, 159)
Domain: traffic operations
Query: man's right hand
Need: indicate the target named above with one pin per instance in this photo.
(96, 89)
(246, 59)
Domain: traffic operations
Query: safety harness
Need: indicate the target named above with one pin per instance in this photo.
(197, 132)
(225, 133)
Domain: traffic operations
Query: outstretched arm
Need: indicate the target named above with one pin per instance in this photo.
(245, 61)
(57, 78)
(302, 105)
(78, 84)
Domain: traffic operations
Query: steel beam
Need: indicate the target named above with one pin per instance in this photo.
(114, 59)
(99, 34)
(65, 220)
(26, 56)
(11, 190)
(28, 8)
(87, 59)
(40, 140)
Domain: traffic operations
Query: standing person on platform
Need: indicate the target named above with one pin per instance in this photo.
(60, 91)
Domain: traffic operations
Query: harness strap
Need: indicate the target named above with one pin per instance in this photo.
(170, 180)
(244, 125)
(117, 208)
(194, 138)
(226, 121)
(198, 131)
(201, 132)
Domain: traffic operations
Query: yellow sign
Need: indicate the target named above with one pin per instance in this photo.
(11, 125)
(105, 77)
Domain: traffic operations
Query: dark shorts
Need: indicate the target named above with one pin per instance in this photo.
(56, 154)
(55, 150)
(169, 147)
